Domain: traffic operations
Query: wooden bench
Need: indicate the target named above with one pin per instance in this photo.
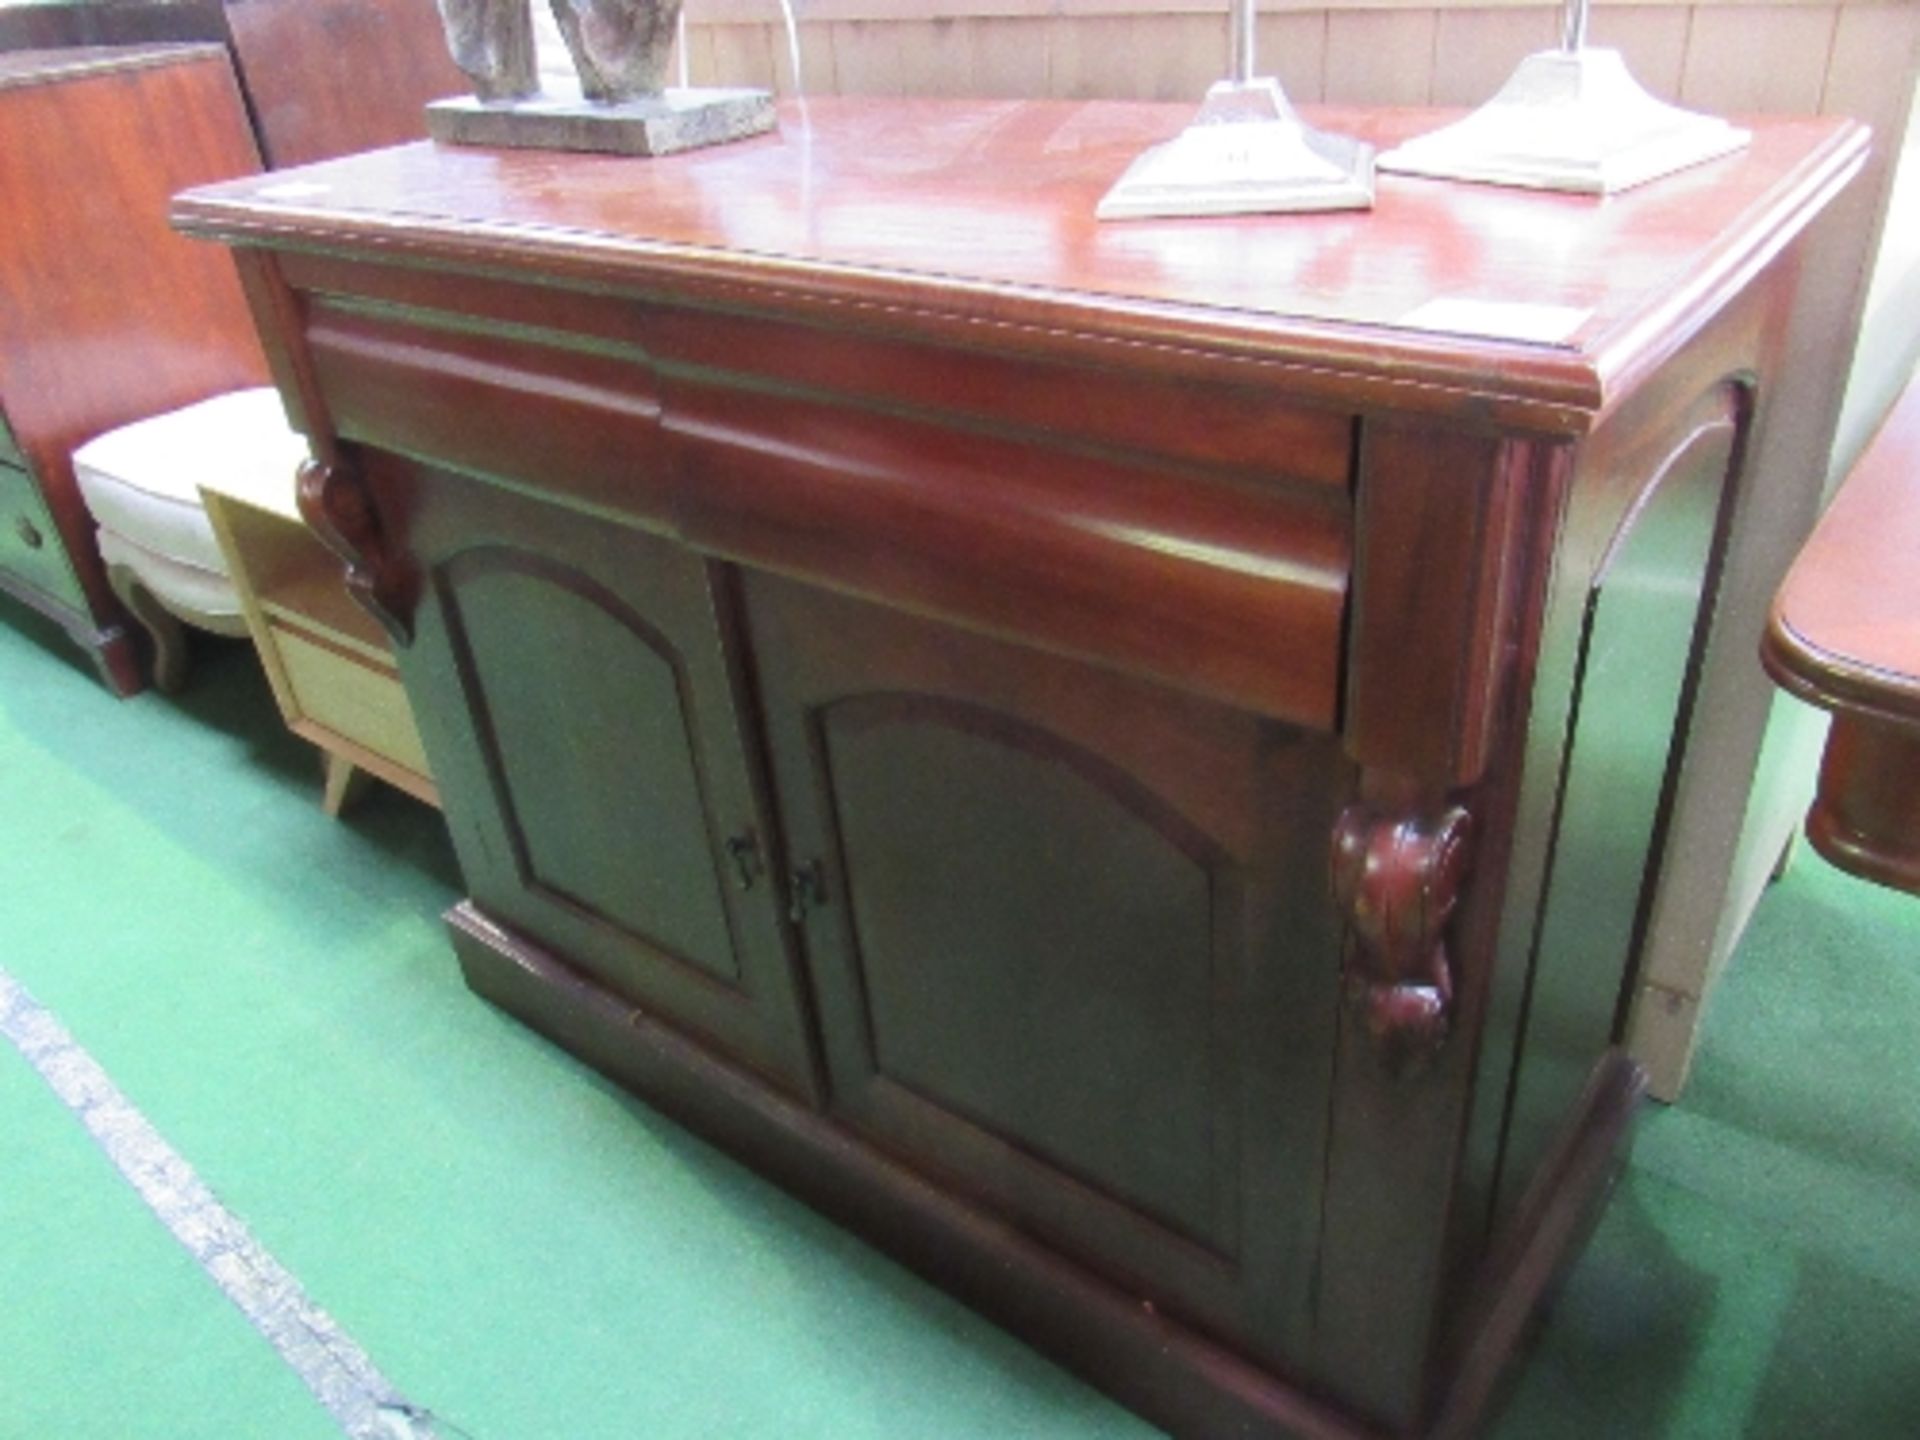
(1845, 635)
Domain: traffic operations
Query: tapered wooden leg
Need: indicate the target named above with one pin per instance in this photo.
(345, 782)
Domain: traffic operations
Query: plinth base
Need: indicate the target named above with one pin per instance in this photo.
(673, 120)
(1569, 120)
(1246, 153)
(1175, 1376)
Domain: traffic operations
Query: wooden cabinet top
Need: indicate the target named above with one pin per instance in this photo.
(21, 68)
(975, 220)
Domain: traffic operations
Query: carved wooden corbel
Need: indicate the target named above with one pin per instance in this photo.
(336, 506)
(1398, 877)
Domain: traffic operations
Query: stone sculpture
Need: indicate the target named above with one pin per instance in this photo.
(492, 41)
(618, 47)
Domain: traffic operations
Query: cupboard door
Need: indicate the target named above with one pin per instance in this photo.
(1069, 942)
(581, 717)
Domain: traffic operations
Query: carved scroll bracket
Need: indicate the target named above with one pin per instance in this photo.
(1398, 877)
(336, 506)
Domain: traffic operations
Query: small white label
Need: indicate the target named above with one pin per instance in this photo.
(291, 190)
(1498, 319)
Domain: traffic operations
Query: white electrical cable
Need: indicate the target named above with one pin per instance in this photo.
(793, 46)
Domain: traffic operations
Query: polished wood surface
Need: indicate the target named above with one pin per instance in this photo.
(956, 218)
(110, 316)
(1845, 635)
(1091, 768)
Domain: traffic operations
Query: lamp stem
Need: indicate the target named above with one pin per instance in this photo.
(1241, 38)
(1573, 33)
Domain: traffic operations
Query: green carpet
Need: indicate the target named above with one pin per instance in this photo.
(530, 1254)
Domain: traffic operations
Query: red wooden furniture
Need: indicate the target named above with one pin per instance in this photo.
(118, 319)
(1127, 763)
(319, 77)
(1845, 635)
(109, 316)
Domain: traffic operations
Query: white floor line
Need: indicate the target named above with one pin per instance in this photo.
(337, 1371)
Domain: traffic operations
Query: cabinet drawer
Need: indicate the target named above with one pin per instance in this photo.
(1230, 588)
(30, 545)
(1212, 554)
(350, 696)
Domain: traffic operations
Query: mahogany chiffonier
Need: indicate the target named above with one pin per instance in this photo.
(1122, 762)
(106, 315)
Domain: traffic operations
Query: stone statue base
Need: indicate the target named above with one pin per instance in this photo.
(660, 125)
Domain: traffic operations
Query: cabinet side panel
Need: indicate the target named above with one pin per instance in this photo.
(1642, 635)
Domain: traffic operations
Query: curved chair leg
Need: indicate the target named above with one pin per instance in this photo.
(169, 639)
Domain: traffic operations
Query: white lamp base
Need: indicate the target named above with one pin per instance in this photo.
(1246, 153)
(1569, 120)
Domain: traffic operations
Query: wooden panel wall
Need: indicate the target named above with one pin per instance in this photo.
(1762, 55)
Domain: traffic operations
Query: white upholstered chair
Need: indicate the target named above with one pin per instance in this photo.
(142, 483)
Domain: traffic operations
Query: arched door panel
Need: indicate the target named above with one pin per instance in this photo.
(595, 776)
(1070, 945)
